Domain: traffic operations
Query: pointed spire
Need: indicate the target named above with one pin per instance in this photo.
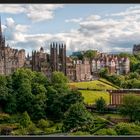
(59, 45)
(56, 44)
(0, 27)
(51, 45)
(28, 56)
(62, 45)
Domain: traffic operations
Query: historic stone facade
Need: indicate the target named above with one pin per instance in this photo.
(83, 72)
(58, 57)
(10, 59)
(76, 70)
(116, 65)
(70, 69)
(48, 63)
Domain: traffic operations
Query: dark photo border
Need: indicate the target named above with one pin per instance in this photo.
(69, 138)
(69, 2)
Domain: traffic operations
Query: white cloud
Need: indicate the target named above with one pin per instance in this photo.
(94, 32)
(3, 28)
(10, 23)
(19, 37)
(15, 31)
(22, 28)
(12, 8)
(41, 12)
(93, 17)
(128, 12)
(74, 20)
(35, 12)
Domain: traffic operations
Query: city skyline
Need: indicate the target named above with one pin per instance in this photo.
(106, 27)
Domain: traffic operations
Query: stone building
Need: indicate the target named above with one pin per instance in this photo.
(39, 60)
(48, 63)
(10, 59)
(83, 72)
(116, 65)
(76, 70)
(136, 49)
(58, 57)
(70, 69)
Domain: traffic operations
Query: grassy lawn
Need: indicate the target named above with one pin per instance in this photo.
(114, 116)
(92, 85)
(104, 80)
(91, 96)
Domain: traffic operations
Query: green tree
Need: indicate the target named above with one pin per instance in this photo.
(135, 83)
(100, 105)
(58, 102)
(77, 118)
(11, 104)
(44, 124)
(105, 131)
(40, 78)
(131, 107)
(20, 76)
(60, 97)
(59, 81)
(3, 92)
(80, 56)
(122, 54)
(39, 106)
(90, 54)
(80, 133)
(103, 72)
(24, 96)
(133, 75)
(39, 83)
(30, 90)
(25, 120)
(70, 98)
(54, 104)
(127, 129)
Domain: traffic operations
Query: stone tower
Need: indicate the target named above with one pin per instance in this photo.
(58, 57)
(62, 58)
(2, 51)
(10, 59)
(2, 38)
(54, 56)
(38, 57)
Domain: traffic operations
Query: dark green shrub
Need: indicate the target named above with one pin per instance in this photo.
(104, 131)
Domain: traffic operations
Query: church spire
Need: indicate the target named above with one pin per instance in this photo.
(0, 28)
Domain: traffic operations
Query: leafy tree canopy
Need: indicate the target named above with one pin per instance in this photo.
(131, 107)
(100, 105)
(78, 118)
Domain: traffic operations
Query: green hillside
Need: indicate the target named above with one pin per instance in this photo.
(91, 96)
(99, 85)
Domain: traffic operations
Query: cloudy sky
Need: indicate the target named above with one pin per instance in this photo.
(104, 27)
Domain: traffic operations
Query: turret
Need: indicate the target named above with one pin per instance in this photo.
(0, 29)
(41, 49)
